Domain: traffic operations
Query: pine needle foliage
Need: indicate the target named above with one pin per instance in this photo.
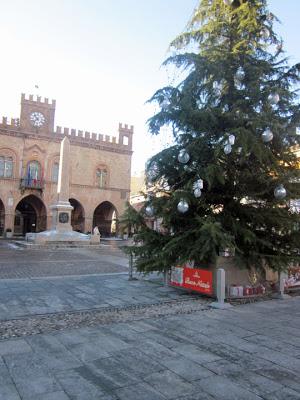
(237, 208)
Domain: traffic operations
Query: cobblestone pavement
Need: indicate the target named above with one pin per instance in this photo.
(249, 352)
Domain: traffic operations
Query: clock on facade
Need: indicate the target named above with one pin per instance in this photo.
(37, 119)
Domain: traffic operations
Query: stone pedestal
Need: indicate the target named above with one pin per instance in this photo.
(61, 217)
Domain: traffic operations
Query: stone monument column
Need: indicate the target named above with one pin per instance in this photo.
(61, 221)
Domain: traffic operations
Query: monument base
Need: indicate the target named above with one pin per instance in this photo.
(55, 237)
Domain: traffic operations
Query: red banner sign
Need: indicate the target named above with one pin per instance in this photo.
(192, 278)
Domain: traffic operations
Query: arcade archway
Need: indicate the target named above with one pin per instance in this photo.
(2, 217)
(105, 217)
(77, 216)
(30, 216)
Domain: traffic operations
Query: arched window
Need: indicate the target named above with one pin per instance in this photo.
(102, 176)
(6, 167)
(54, 174)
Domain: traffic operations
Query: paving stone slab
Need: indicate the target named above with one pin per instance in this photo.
(195, 354)
(52, 396)
(81, 384)
(141, 391)
(283, 394)
(186, 368)
(154, 350)
(197, 396)
(274, 344)
(9, 392)
(87, 352)
(170, 384)
(111, 374)
(223, 388)
(281, 375)
(14, 347)
(40, 385)
(137, 363)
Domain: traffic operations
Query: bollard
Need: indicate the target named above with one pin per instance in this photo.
(220, 291)
(130, 272)
(166, 278)
(281, 295)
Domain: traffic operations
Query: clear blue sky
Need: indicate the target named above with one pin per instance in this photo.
(100, 59)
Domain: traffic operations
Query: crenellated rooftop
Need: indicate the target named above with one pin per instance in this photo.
(38, 100)
(23, 126)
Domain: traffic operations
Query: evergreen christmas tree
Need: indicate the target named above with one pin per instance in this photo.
(228, 180)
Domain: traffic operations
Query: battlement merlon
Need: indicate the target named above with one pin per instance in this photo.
(37, 100)
(125, 135)
(12, 124)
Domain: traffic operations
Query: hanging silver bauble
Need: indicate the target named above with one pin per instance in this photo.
(165, 103)
(198, 184)
(197, 192)
(265, 33)
(227, 148)
(183, 206)
(228, 2)
(267, 135)
(183, 156)
(231, 139)
(273, 98)
(280, 192)
(239, 75)
(239, 150)
(149, 210)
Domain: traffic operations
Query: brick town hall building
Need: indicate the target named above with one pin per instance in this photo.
(99, 171)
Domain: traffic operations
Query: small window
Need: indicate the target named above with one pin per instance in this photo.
(125, 140)
(55, 169)
(6, 167)
(101, 177)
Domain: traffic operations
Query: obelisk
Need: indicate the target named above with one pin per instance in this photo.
(61, 221)
(62, 232)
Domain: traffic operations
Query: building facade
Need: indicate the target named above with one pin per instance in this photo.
(100, 170)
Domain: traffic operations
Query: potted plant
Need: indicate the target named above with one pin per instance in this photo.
(8, 233)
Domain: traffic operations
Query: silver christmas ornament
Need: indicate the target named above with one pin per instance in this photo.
(198, 184)
(267, 135)
(183, 156)
(231, 139)
(149, 210)
(240, 75)
(228, 2)
(239, 150)
(165, 104)
(197, 192)
(183, 206)
(265, 33)
(227, 148)
(280, 192)
(273, 98)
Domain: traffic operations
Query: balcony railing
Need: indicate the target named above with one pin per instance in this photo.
(30, 183)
